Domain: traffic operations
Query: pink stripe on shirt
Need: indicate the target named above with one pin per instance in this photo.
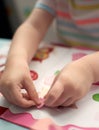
(88, 21)
(63, 14)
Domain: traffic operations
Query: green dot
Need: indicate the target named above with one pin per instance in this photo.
(57, 72)
(96, 97)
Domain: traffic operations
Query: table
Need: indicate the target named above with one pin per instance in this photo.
(83, 115)
(4, 125)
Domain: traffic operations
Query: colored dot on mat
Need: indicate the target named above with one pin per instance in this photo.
(33, 74)
(96, 97)
(57, 72)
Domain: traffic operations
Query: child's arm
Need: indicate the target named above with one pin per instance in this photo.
(74, 81)
(24, 45)
(30, 33)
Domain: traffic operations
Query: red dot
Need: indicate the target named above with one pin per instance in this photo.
(34, 75)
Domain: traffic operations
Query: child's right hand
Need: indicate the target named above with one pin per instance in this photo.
(15, 78)
(72, 83)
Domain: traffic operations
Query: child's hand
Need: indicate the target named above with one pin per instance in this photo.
(70, 85)
(15, 78)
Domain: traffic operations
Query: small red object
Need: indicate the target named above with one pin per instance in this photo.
(34, 75)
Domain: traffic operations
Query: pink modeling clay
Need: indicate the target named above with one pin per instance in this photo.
(42, 103)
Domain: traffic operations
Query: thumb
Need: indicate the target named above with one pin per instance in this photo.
(30, 88)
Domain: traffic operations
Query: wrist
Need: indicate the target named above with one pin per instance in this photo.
(89, 70)
(85, 69)
(93, 64)
(16, 61)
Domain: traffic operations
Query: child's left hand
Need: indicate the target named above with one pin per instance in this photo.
(73, 82)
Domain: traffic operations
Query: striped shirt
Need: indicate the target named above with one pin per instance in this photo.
(77, 21)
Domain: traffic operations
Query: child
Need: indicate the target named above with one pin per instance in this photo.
(78, 24)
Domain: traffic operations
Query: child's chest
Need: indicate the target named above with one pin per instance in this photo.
(82, 13)
(78, 6)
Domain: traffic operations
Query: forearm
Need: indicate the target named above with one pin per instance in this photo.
(28, 36)
(25, 42)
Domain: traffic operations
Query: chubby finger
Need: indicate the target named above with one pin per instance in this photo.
(54, 94)
(69, 102)
(60, 101)
(28, 85)
(63, 98)
(16, 97)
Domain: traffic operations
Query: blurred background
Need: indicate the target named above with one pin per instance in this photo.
(13, 13)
